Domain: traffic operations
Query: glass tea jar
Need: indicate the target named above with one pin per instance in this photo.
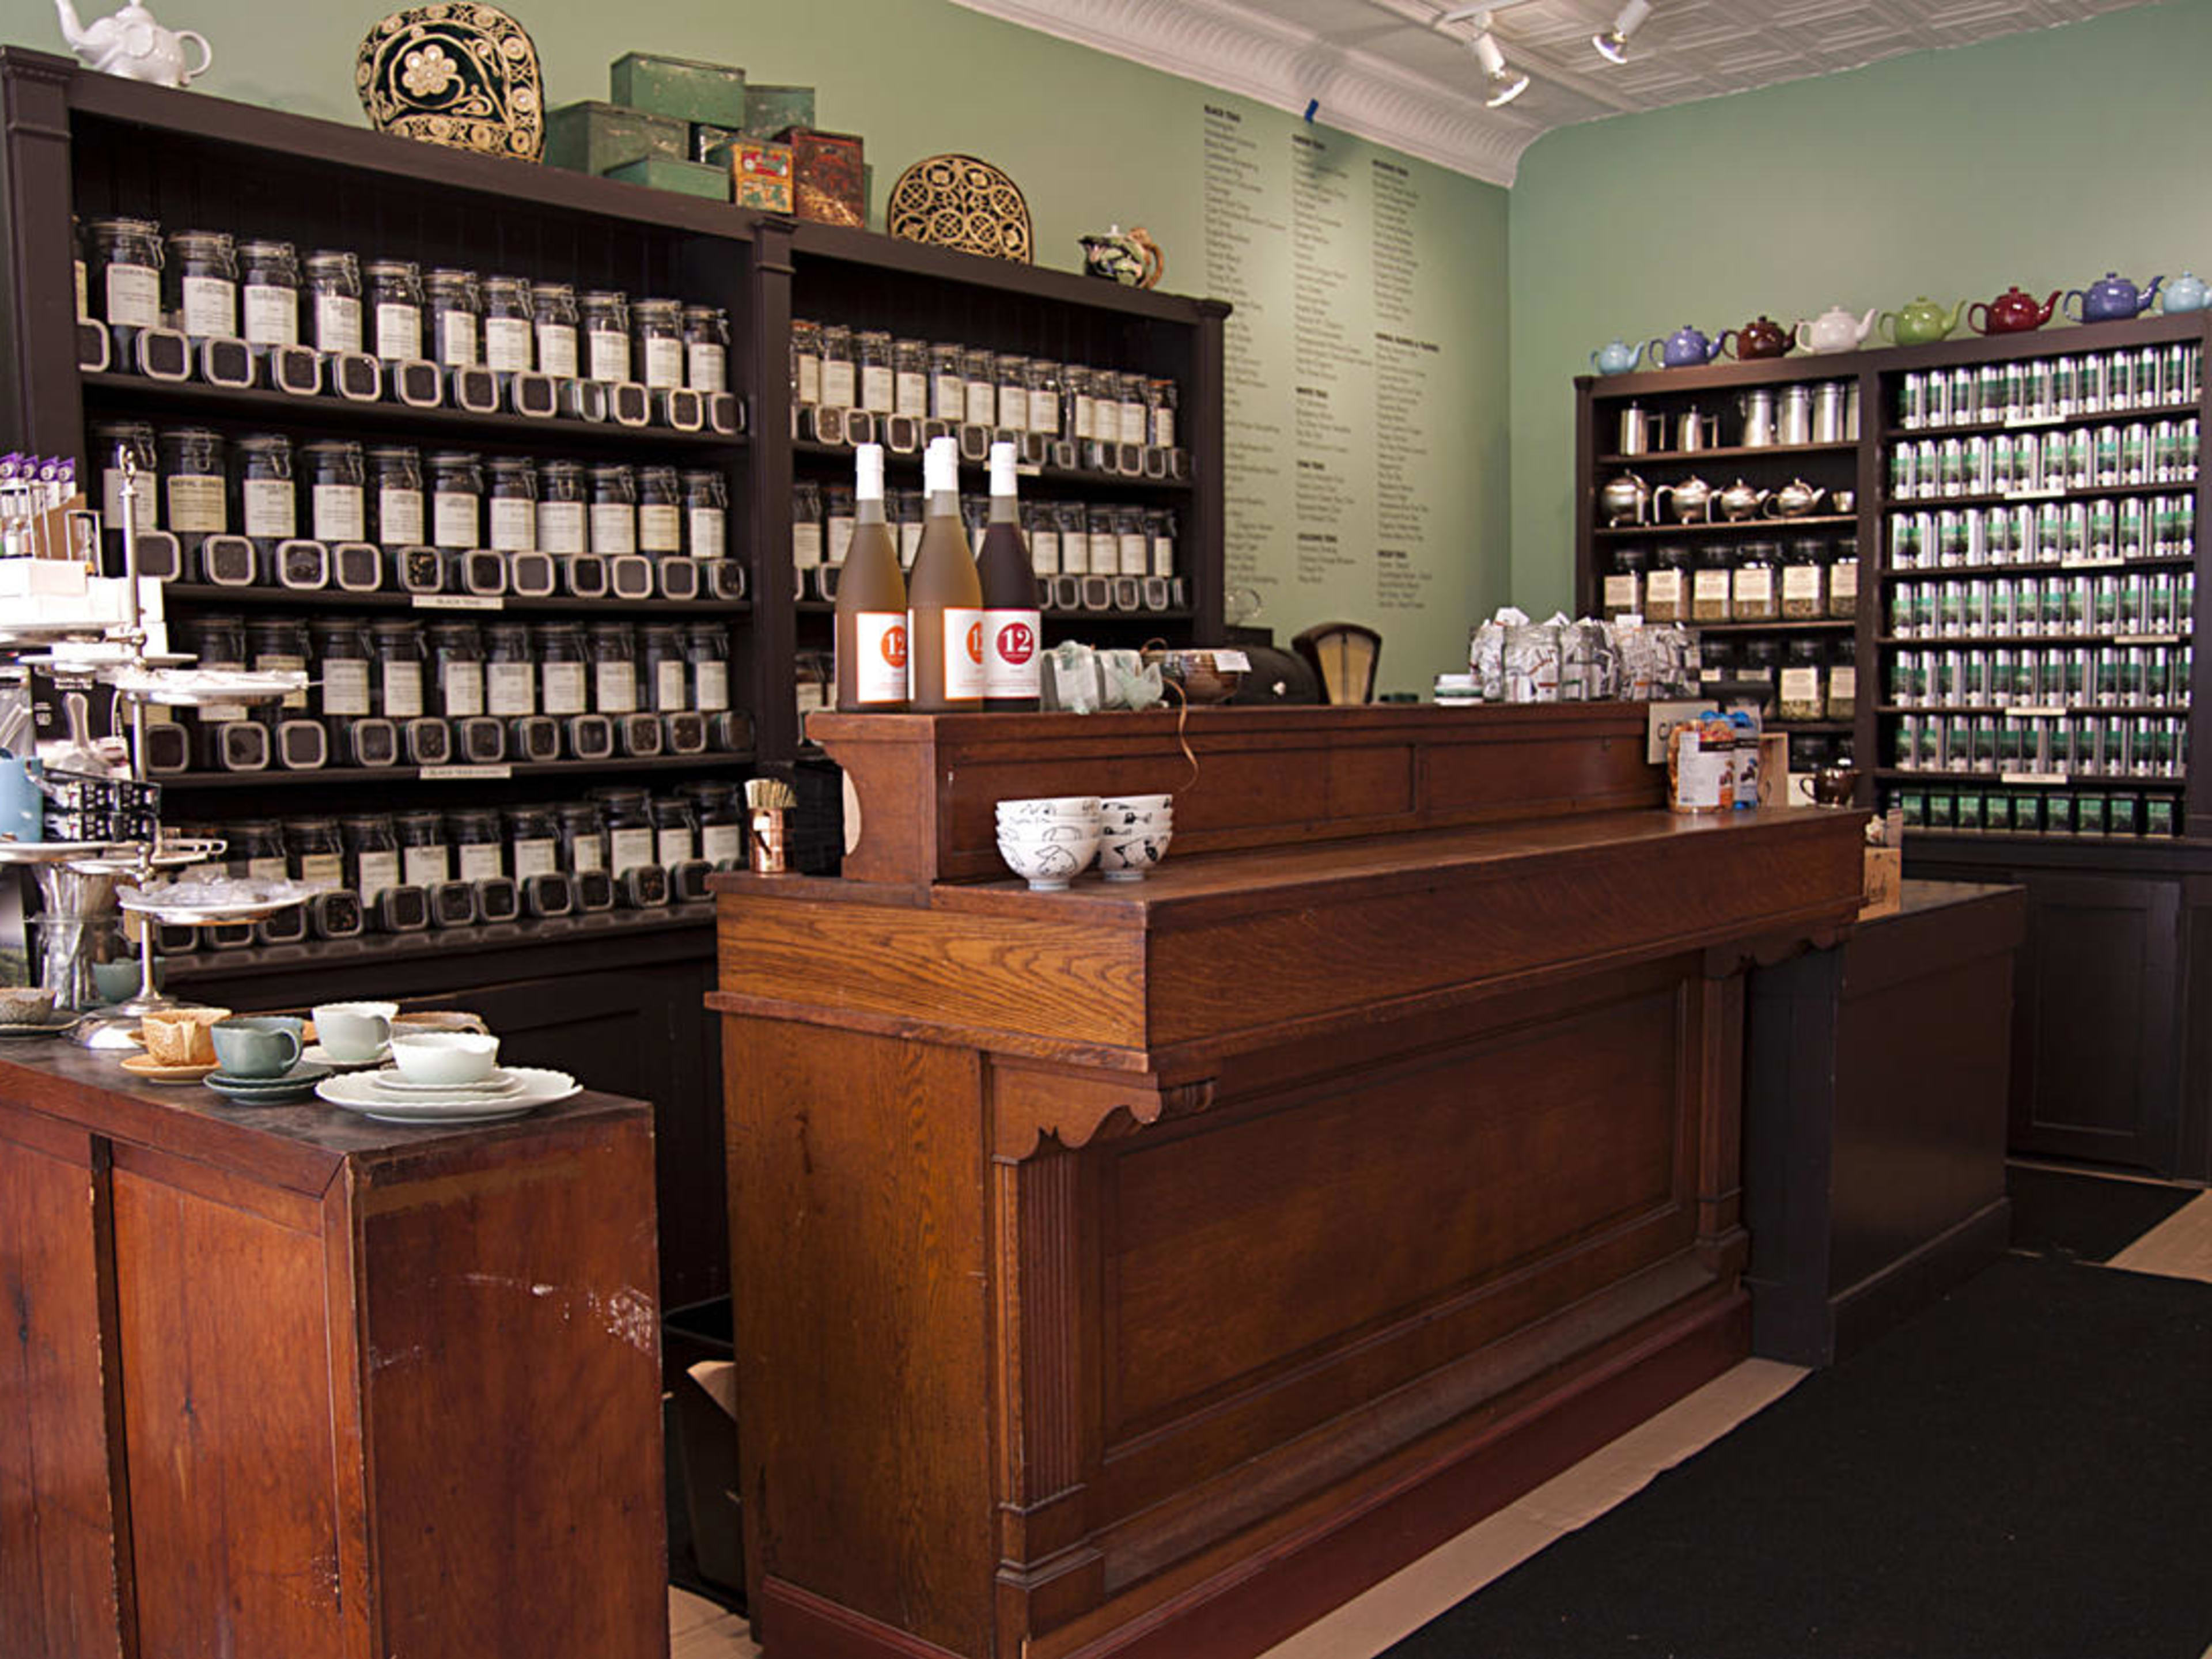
(805, 361)
(562, 499)
(217, 639)
(396, 645)
(201, 275)
(656, 334)
(1753, 595)
(343, 665)
(613, 651)
(659, 511)
(628, 828)
(1080, 404)
(663, 669)
(720, 817)
(425, 858)
(910, 378)
(110, 439)
(456, 670)
(510, 671)
(1710, 585)
(562, 673)
(1844, 580)
(1759, 660)
(315, 851)
(1013, 379)
(948, 383)
(510, 332)
(1801, 697)
(1044, 396)
(195, 487)
(372, 853)
(269, 292)
(275, 645)
(334, 276)
(1624, 587)
(395, 490)
(553, 317)
(256, 850)
(981, 370)
(266, 504)
(479, 843)
(1844, 679)
(395, 307)
(1805, 581)
(675, 830)
(605, 316)
(337, 472)
(706, 514)
(840, 370)
(839, 517)
(456, 317)
(534, 841)
(583, 834)
(1135, 422)
(125, 270)
(706, 348)
(707, 650)
(511, 490)
(614, 508)
(456, 490)
(805, 525)
(871, 351)
(1162, 401)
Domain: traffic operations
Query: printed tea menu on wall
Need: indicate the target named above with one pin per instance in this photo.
(1341, 371)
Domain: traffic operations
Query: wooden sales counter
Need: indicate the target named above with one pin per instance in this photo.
(1144, 1269)
(284, 1382)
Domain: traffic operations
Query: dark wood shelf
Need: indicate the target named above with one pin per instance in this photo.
(1825, 625)
(911, 462)
(2030, 497)
(2040, 567)
(1771, 527)
(338, 599)
(1812, 728)
(827, 607)
(1996, 779)
(1730, 452)
(1893, 434)
(106, 390)
(2155, 708)
(193, 782)
(1915, 835)
(2182, 637)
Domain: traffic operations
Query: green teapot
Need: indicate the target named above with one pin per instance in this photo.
(1921, 323)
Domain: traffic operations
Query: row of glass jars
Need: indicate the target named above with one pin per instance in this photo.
(1807, 580)
(210, 285)
(841, 367)
(1809, 679)
(201, 484)
(1066, 537)
(399, 668)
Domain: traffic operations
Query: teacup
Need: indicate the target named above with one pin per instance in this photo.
(179, 1036)
(438, 1020)
(447, 1057)
(118, 979)
(353, 1031)
(257, 1045)
(29, 1005)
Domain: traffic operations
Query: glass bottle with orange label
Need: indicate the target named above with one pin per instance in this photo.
(945, 597)
(1012, 618)
(872, 619)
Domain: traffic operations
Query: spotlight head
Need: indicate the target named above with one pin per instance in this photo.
(1613, 44)
(1505, 85)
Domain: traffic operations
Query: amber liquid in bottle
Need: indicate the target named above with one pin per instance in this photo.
(944, 598)
(871, 639)
(1012, 622)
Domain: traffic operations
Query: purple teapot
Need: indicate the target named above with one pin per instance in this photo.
(1684, 348)
(2113, 300)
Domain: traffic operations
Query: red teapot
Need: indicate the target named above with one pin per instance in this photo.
(1762, 338)
(2012, 313)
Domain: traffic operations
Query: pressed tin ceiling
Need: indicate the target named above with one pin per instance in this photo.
(1388, 70)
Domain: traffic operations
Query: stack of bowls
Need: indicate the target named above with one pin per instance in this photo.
(1134, 834)
(1048, 840)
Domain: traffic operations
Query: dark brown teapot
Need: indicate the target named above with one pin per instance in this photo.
(1762, 338)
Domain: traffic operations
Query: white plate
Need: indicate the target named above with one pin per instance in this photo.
(229, 900)
(503, 1081)
(315, 1054)
(194, 688)
(357, 1092)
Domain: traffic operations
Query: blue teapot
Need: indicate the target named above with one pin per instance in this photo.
(2112, 300)
(2187, 293)
(1684, 348)
(1614, 357)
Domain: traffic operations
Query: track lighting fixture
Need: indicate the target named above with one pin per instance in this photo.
(1613, 45)
(1506, 83)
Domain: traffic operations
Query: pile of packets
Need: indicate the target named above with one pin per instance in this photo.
(1512, 659)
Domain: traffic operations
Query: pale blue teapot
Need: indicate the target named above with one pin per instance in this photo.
(2187, 292)
(1617, 357)
(1685, 348)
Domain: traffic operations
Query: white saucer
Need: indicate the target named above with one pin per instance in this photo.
(315, 1054)
(503, 1081)
(358, 1091)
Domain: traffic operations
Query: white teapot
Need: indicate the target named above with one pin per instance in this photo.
(131, 44)
(1835, 330)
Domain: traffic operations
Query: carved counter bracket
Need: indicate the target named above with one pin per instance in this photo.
(1030, 1103)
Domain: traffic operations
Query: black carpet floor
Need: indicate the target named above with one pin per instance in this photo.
(2024, 1471)
(2089, 1218)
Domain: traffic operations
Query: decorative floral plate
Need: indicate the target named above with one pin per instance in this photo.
(456, 74)
(958, 202)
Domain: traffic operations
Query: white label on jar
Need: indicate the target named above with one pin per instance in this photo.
(345, 686)
(143, 502)
(457, 339)
(269, 507)
(341, 513)
(563, 684)
(535, 857)
(911, 396)
(1132, 423)
(1105, 553)
(1801, 685)
(506, 345)
(1075, 554)
(949, 396)
(708, 531)
(1136, 554)
(806, 545)
(323, 869)
(281, 662)
(585, 853)
(402, 690)
(610, 355)
(836, 385)
(270, 866)
(880, 645)
(196, 507)
(337, 323)
(556, 350)
(561, 527)
(1164, 556)
(453, 518)
(707, 365)
(1754, 587)
(1086, 416)
(1664, 588)
(514, 523)
(710, 686)
(1843, 683)
(1013, 664)
(630, 848)
(1164, 420)
(614, 527)
(660, 529)
(425, 866)
(671, 846)
(461, 688)
(1044, 552)
(982, 406)
(1044, 412)
(1014, 408)
(669, 684)
(398, 331)
(1710, 588)
(134, 296)
(1843, 584)
(664, 362)
(840, 538)
(615, 684)
(721, 844)
(510, 688)
(1801, 582)
(810, 380)
(376, 870)
(480, 861)
(272, 315)
(399, 517)
(1621, 593)
(877, 391)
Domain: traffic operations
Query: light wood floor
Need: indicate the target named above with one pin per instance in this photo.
(2181, 1247)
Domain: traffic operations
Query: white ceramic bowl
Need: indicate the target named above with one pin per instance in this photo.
(444, 1056)
(1067, 831)
(1048, 807)
(1136, 803)
(1128, 857)
(1114, 820)
(1048, 864)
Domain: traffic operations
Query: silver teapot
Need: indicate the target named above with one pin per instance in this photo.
(1623, 500)
(1692, 500)
(1739, 501)
(1795, 499)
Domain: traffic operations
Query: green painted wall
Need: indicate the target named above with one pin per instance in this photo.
(2043, 159)
(1091, 138)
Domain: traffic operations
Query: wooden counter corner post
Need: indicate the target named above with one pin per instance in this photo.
(1142, 1271)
